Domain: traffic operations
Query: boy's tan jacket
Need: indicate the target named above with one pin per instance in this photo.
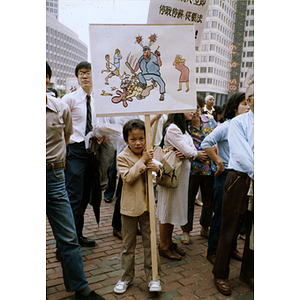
(134, 192)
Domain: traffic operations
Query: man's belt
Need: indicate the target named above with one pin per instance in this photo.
(55, 165)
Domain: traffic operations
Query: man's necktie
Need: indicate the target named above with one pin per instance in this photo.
(88, 127)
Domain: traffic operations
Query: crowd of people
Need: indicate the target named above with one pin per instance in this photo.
(216, 148)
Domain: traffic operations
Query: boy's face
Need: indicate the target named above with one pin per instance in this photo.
(136, 141)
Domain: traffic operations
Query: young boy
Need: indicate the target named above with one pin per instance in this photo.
(133, 162)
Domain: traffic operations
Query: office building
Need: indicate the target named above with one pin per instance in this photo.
(213, 60)
(52, 7)
(247, 66)
(226, 54)
(64, 51)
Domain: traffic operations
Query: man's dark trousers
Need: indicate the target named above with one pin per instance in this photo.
(234, 211)
(79, 177)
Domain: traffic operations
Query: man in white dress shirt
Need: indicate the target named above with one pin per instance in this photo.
(79, 175)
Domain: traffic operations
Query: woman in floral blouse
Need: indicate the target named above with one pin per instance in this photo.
(201, 175)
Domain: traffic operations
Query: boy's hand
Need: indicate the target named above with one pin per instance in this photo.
(147, 155)
(152, 166)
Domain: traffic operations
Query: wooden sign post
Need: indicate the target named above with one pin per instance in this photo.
(153, 238)
(137, 70)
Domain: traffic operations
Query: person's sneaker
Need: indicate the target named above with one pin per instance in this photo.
(121, 286)
(154, 286)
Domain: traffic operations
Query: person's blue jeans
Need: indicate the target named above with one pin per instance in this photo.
(61, 219)
(216, 221)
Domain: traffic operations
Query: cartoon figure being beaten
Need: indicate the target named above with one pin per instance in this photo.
(136, 85)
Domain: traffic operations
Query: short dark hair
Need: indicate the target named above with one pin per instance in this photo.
(131, 125)
(232, 105)
(83, 64)
(48, 70)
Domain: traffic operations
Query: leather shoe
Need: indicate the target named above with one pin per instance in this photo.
(117, 234)
(107, 200)
(85, 242)
(91, 296)
(237, 255)
(211, 258)
(222, 286)
(179, 250)
(248, 280)
(169, 254)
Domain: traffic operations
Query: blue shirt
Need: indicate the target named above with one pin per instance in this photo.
(219, 136)
(149, 66)
(241, 143)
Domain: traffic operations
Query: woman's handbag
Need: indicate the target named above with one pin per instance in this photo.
(171, 166)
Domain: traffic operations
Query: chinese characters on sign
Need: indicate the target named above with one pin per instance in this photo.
(179, 12)
(195, 2)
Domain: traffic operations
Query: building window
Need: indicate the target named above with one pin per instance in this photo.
(203, 58)
(210, 69)
(251, 33)
(212, 47)
(213, 36)
(202, 69)
(250, 54)
(250, 43)
(204, 47)
(215, 13)
(211, 58)
(202, 80)
(197, 69)
(214, 24)
(248, 64)
(209, 80)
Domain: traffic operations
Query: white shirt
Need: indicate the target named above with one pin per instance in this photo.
(77, 104)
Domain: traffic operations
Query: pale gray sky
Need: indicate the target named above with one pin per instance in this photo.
(78, 14)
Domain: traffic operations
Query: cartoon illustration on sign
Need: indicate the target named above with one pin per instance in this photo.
(113, 68)
(143, 71)
(143, 68)
(179, 64)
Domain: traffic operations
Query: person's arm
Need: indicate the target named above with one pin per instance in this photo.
(155, 118)
(130, 173)
(137, 66)
(176, 139)
(67, 140)
(211, 152)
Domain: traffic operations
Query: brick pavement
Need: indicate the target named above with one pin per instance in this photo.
(190, 278)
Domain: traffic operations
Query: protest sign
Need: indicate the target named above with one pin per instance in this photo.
(72, 84)
(143, 69)
(179, 12)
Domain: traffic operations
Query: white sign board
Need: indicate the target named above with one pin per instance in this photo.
(143, 69)
(179, 12)
(72, 84)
